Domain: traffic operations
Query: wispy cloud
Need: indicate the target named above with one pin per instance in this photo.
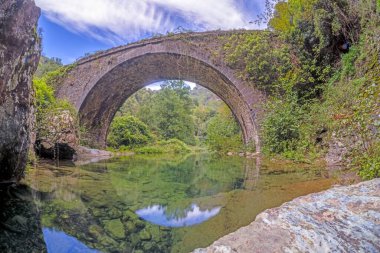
(120, 21)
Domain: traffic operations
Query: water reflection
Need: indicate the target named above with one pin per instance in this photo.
(94, 206)
(158, 214)
(20, 227)
(60, 242)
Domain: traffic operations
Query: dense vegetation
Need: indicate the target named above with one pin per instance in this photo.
(173, 117)
(322, 79)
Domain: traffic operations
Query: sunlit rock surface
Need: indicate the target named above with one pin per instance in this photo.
(342, 219)
(19, 55)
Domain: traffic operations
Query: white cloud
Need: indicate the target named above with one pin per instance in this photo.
(120, 21)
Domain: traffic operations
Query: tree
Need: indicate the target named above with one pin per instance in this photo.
(181, 89)
(168, 113)
(134, 103)
(172, 117)
(47, 65)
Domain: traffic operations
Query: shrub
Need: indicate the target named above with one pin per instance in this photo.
(369, 164)
(281, 126)
(128, 131)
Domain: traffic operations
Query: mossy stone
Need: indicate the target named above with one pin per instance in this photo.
(97, 212)
(139, 224)
(130, 215)
(135, 239)
(107, 241)
(115, 228)
(145, 235)
(130, 227)
(95, 231)
(148, 246)
(114, 213)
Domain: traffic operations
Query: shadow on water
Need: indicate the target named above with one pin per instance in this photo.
(20, 220)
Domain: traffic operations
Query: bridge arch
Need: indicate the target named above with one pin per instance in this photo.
(100, 84)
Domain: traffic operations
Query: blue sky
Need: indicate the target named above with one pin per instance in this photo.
(72, 28)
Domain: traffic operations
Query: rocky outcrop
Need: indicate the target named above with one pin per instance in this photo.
(57, 137)
(338, 149)
(342, 219)
(19, 55)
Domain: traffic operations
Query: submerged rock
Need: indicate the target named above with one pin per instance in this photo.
(115, 228)
(342, 219)
(19, 55)
(145, 235)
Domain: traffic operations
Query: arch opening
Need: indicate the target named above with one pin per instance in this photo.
(175, 109)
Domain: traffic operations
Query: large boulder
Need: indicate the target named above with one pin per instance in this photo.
(19, 56)
(341, 219)
(57, 136)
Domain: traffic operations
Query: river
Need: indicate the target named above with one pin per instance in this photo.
(148, 203)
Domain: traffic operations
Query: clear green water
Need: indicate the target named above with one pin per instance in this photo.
(146, 203)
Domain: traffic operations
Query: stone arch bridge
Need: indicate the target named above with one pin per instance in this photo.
(99, 84)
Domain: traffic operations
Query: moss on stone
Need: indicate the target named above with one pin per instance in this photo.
(115, 228)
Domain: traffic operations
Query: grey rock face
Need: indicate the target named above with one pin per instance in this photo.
(342, 219)
(57, 138)
(19, 55)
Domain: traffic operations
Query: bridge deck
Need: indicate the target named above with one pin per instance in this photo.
(159, 39)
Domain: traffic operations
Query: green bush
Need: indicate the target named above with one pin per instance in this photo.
(282, 126)
(128, 131)
(44, 94)
(369, 164)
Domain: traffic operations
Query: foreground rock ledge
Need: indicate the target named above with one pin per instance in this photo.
(342, 219)
(19, 55)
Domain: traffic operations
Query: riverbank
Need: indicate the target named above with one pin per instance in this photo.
(341, 219)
